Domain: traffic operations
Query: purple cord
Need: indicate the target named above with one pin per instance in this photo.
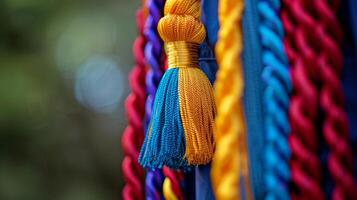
(153, 182)
(154, 57)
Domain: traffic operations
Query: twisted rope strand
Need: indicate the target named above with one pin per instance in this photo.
(153, 52)
(276, 99)
(168, 191)
(300, 45)
(154, 55)
(335, 123)
(230, 159)
(134, 133)
(173, 189)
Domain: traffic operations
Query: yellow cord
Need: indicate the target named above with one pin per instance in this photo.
(230, 161)
(168, 192)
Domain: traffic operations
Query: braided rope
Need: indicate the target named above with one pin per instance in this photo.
(322, 56)
(154, 55)
(335, 122)
(305, 165)
(276, 99)
(230, 159)
(134, 133)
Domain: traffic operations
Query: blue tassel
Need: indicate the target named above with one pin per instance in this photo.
(165, 139)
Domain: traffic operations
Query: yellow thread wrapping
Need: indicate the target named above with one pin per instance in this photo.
(182, 32)
(182, 54)
(169, 194)
(230, 160)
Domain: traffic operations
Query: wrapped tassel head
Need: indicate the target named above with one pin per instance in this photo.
(180, 133)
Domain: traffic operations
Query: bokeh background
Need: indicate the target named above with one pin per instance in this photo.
(63, 82)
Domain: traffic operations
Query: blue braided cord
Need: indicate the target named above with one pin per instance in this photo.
(164, 142)
(276, 100)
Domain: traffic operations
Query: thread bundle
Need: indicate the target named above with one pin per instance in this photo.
(180, 131)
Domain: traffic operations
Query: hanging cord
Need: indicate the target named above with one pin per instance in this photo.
(230, 161)
(306, 170)
(172, 184)
(134, 133)
(276, 100)
(335, 122)
(180, 132)
(155, 57)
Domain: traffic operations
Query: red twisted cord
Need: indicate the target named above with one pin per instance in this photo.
(176, 177)
(335, 123)
(300, 46)
(134, 133)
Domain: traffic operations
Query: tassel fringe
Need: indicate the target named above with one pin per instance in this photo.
(197, 112)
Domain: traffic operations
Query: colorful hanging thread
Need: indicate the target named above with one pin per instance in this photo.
(180, 130)
(335, 122)
(134, 133)
(306, 170)
(230, 161)
(155, 57)
(278, 86)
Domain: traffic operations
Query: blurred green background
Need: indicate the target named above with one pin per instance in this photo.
(63, 81)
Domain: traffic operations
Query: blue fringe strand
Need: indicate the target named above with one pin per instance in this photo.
(164, 142)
